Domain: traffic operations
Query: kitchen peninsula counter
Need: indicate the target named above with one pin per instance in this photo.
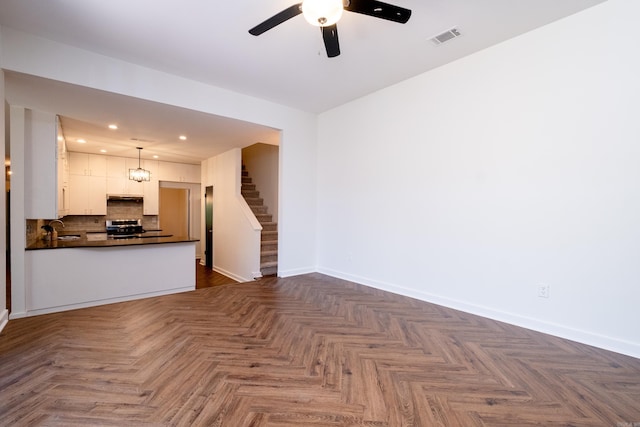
(150, 238)
(101, 270)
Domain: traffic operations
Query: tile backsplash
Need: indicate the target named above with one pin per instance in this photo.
(116, 209)
(123, 209)
(34, 232)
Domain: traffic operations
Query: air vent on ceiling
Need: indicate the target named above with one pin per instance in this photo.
(141, 140)
(446, 36)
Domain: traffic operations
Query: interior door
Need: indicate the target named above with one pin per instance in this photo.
(208, 253)
(174, 211)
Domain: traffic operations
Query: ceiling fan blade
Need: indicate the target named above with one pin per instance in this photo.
(330, 37)
(379, 10)
(277, 19)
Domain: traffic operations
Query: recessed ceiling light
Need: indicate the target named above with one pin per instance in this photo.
(103, 151)
(156, 157)
(81, 141)
(183, 138)
(113, 127)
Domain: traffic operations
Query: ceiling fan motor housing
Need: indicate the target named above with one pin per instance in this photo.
(322, 13)
(326, 13)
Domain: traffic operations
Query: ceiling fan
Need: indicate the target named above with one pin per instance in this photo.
(326, 13)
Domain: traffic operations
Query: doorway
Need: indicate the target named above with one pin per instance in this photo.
(174, 211)
(208, 253)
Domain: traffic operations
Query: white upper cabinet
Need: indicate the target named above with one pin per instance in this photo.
(87, 184)
(179, 172)
(87, 164)
(88, 195)
(151, 189)
(116, 167)
(118, 182)
(93, 177)
(116, 177)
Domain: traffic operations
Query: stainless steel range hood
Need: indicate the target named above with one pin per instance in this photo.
(124, 198)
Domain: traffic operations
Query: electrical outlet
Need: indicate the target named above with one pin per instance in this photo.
(543, 291)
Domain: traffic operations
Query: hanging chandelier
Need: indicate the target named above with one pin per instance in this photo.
(139, 174)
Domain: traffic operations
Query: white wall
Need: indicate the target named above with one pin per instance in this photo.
(41, 154)
(472, 184)
(236, 231)
(261, 161)
(17, 136)
(4, 314)
(24, 53)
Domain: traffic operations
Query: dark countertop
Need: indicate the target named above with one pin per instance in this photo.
(150, 238)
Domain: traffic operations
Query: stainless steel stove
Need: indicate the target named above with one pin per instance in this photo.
(124, 228)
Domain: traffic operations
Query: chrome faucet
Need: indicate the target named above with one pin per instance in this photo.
(55, 220)
(52, 234)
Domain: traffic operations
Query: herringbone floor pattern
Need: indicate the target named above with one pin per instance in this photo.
(303, 351)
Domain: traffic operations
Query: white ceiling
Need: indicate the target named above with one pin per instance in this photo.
(86, 113)
(208, 41)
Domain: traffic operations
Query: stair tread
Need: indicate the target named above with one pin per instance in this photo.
(268, 264)
(269, 236)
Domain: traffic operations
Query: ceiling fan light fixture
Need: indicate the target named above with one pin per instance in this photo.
(322, 13)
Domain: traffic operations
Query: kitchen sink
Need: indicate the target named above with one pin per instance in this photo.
(69, 237)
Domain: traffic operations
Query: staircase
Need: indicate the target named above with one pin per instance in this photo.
(269, 237)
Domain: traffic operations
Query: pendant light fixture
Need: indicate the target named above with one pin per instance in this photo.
(139, 174)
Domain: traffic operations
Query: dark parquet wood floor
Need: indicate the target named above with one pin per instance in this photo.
(302, 351)
(207, 278)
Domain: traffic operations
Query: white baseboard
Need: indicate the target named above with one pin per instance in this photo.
(231, 275)
(17, 315)
(4, 318)
(69, 307)
(585, 337)
(297, 271)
